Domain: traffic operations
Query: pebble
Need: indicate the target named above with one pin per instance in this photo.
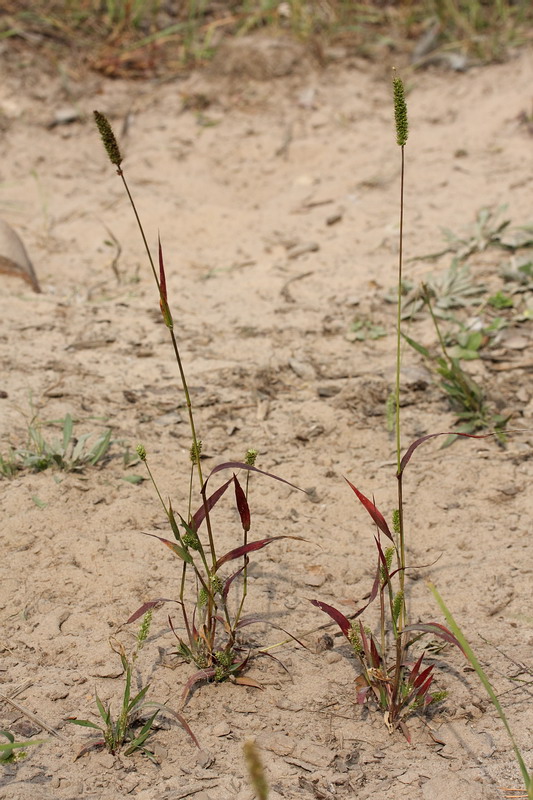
(221, 729)
(205, 759)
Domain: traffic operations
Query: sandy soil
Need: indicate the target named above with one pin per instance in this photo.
(277, 203)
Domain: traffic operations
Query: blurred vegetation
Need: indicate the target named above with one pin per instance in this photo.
(129, 38)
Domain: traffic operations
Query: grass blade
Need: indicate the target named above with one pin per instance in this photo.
(528, 780)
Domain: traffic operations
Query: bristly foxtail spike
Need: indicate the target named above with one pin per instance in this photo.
(400, 112)
(108, 138)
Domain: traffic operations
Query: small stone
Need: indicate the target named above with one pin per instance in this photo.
(333, 656)
(221, 729)
(205, 759)
(278, 743)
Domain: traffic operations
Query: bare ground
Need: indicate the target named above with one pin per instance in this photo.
(277, 203)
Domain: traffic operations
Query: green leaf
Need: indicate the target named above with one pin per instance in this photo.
(135, 479)
(100, 448)
(528, 780)
(138, 698)
(85, 723)
(39, 503)
(416, 346)
(67, 432)
(104, 713)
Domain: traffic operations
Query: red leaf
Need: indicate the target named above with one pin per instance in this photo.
(376, 515)
(242, 505)
(210, 502)
(418, 682)
(243, 681)
(414, 672)
(342, 621)
(437, 630)
(197, 677)
(242, 465)
(250, 547)
(146, 607)
(424, 689)
(229, 581)
(162, 278)
(181, 552)
(376, 658)
(409, 452)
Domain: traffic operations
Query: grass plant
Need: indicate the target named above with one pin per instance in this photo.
(126, 731)
(133, 37)
(68, 452)
(392, 674)
(209, 637)
(12, 751)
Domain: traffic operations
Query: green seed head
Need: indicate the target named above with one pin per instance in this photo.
(224, 657)
(389, 553)
(108, 138)
(202, 597)
(141, 452)
(195, 451)
(191, 540)
(397, 606)
(250, 457)
(355, 639)
(400, 112)
(396, 520)
(144, 629)
(217, 584)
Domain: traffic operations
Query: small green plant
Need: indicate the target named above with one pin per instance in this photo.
(500, 300)
(127, 730)
(467, 399)
(526, 776)
(211, 624)
(68, 453)
(363, 329)
(12, 751)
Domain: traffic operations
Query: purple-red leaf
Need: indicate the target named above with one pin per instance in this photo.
(162, 277)
(342, 621)
(197, 677)
(146, 607)
(376, 658)
(242, 505)
(242, 465)
(250, 547)
(208, 504)
(437, 630)
(414, 672)
(418, 682)
(181, 552)
(229, 581)
(411, 449)
(376, 515)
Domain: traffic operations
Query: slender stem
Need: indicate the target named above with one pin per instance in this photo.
(399, 317)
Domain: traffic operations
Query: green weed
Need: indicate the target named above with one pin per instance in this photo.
(12, 751)
(68, 452)
(128, 731)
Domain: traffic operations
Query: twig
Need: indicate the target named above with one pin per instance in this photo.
(33, 717)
